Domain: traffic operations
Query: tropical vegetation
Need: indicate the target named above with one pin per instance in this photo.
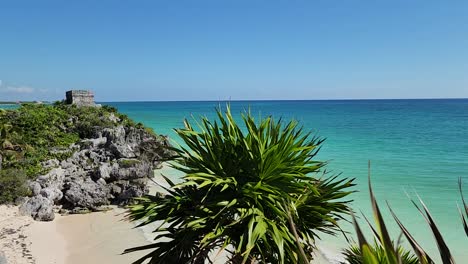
(353, 255)
(35, 133)
(254, 193)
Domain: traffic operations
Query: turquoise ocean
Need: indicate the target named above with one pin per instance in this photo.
(416, 147)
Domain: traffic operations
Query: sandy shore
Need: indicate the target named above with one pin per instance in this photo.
(89, 238)
(47, 244)
(14, 246)
(94, 238)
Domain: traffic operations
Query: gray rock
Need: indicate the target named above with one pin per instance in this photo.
(45, 214)
(101, 181)
(53, 163)
(116, 189)
(136, 170)
(80, 210)
(96, 157)
(115, 135)
(39, 208)
(93, 143)
(104, 171)
(87, 194)
(131, 192)
(35, 188)
(52, 194)
(111, 166)
(66, 164)
(53, 178)
(122, 151)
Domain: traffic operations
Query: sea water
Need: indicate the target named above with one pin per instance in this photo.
(416, 147)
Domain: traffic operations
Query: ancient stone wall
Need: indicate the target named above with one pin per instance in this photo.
(80, 98)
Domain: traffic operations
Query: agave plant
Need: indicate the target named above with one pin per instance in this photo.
(385, 250)
(353, 255)
(253, 195)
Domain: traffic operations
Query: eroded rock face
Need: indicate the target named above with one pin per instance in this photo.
(39, 208)
(110, 168)
(87, 194)
(51, 193)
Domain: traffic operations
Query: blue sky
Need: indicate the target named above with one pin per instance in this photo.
(226, 49)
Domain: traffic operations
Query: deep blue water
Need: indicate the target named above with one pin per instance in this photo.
(416, 146)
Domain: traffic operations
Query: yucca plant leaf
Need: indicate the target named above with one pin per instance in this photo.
(384, 236)
(420, 252)
(465, 207)
(368, 256)
(444, 251)
(361, 238)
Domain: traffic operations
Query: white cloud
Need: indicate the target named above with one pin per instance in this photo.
(13, 92)
(12, 89)
(18, 89)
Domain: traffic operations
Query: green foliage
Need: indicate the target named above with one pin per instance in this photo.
(109, 109)
(353, 255)
(12, 185)
(32, 133)
(386, 251)
(86, 119)
(40, 126)
(257, 194)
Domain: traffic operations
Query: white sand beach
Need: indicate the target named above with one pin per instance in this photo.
(14, 247)
(93, 238)
(88, 238)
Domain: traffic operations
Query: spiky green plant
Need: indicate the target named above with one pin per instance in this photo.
(257, 195)
(353, 255)
(389, 252)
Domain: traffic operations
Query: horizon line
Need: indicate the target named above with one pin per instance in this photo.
(286, 100)
(250, 100)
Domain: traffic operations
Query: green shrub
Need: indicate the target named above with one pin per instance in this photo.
(260, 193)
(109, 109)
(353, 255)
(12, 185)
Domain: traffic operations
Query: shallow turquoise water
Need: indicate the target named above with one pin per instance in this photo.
(416, 146)
(9, 106)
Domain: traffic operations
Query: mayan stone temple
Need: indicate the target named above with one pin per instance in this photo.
(80, 98)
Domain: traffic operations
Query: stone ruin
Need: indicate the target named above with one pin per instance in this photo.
(80, 98)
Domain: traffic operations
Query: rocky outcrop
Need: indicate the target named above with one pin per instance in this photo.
(110, 168)
(39, 207)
